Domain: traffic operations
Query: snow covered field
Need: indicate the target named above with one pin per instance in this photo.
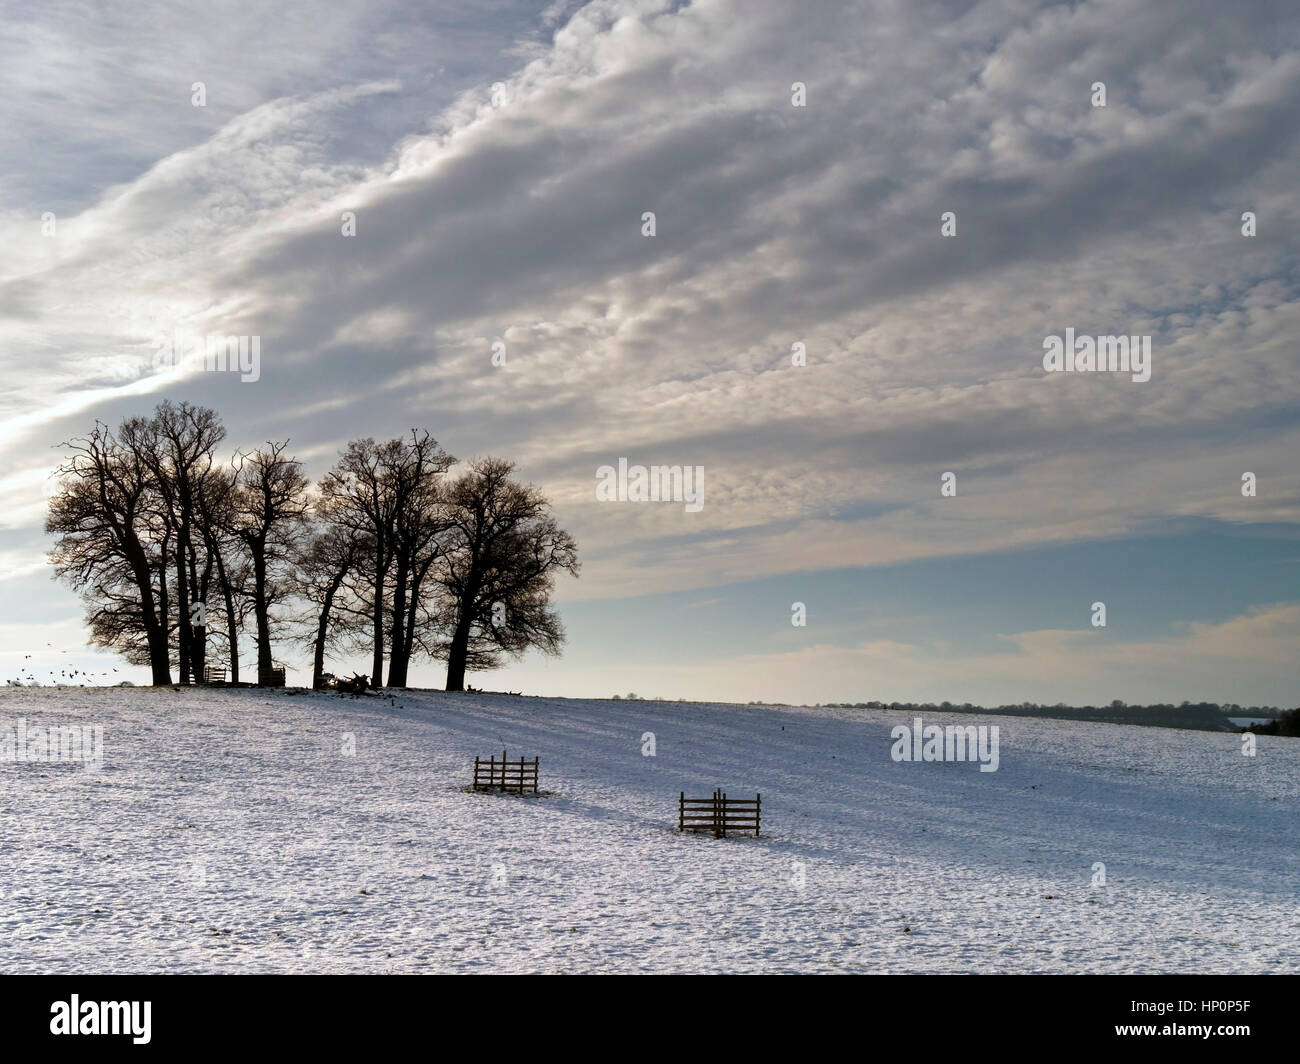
(229, 832)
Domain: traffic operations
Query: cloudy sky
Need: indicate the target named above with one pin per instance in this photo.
(499, 158)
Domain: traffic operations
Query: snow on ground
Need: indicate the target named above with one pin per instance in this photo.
(226, 831)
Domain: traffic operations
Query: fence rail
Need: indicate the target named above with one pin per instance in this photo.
(719, 814)
(493, 775)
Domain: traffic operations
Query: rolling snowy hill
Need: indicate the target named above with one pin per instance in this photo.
(230, 831)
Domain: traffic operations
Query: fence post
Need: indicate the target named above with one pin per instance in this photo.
(758, 812)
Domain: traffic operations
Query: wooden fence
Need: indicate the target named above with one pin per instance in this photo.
(719, 814)
(493, 775)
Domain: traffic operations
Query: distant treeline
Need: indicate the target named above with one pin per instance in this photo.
(1287, 724)
(1204, 716)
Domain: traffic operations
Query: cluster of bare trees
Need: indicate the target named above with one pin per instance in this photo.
(174, 551)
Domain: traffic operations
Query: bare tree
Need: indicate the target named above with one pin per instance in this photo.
(353, 499)
(419, 523)
(269, 511)
(179, 444)
(112, 544)
(498, 571)
(387, 494)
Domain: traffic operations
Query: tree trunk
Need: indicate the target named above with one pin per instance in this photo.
(162, 633)
(262, 614)
(377, 660)
(400, 654)
(409, 639)
(156, 635)
(318, 648)
(232, 624)
(160, 666)
(264, 662)
(199, 653)
(199, 632)
(456, 655)
(397, 663)
(318, 655)
(322, 629)
(183, 613)
(232, 634)
(155, 625)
